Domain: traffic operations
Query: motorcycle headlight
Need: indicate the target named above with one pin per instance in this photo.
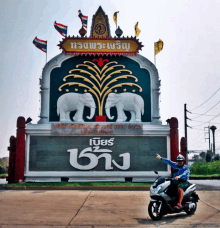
(155, 190)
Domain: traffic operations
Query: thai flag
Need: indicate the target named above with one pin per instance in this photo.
(84, 19)
(62, 29)
(41, 44)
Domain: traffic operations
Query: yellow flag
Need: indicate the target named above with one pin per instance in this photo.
(158, 46)
(137, 30)
(115, 17)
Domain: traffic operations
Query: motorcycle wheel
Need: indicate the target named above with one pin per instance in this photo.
(191, 211)
(153, 211)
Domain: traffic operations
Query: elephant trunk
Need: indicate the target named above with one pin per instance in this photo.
(107, 110)
(92, 113)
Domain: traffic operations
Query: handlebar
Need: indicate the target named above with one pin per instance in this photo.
(170, 179)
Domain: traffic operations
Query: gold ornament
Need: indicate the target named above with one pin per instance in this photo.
(85, 90)
(133, 90)
(124, 90)
(76, 90)
(67, 90)
(115, 91)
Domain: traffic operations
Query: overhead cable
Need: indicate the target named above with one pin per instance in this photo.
(205, 112)
(206, 100)
(207, 121)
(201, 114)
(204, 122)
(197, 129)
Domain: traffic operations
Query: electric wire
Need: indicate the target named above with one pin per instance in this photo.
(197, 129)
(203, 122)
(207, 121)
(205, 112)
(200, 114)
(205, 101)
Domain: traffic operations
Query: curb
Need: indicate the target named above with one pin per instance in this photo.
(97, 188)
(204, 178)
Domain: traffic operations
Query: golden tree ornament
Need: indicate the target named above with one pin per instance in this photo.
(100, 82)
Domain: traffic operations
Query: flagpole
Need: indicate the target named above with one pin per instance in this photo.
(46, 56)
(154, 56)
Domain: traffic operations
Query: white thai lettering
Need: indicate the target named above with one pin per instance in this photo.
(96, 143)
(112, 45)
(73, 45)
(99, 45)
(92, 45)
(126, 46)
(86, 45)
(80, 45)
(94, 159)
(126, 161)
(110, 142)
(118, 44)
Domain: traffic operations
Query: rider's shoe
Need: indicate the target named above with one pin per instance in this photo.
(178, 207)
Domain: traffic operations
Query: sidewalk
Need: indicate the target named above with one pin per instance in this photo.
(201, 185)
(98, 209)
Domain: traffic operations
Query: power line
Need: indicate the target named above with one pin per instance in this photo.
(201, 114)
(204, 122)
(207, 121)
(205, 101)
(197, 129)
(205, 112)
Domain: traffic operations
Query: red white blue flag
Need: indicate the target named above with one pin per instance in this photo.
(84, 19)
(62, 29)
(41, 44)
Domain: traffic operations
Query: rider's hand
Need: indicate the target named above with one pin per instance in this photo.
(158, 156)
(176, 178)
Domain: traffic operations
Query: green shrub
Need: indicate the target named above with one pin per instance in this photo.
(200, 167)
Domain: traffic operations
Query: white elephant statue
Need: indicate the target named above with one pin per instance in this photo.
(125, 102)
(75, 102)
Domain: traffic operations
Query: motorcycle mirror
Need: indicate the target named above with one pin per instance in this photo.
(155, 171)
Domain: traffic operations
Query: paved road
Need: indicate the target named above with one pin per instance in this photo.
(97, 209)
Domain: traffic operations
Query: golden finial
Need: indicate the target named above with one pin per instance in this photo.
(67, 90)
(76, 89)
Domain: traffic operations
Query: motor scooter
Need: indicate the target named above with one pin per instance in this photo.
(164, 197)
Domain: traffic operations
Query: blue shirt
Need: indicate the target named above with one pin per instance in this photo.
(183, 172)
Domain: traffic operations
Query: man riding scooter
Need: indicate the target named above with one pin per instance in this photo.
(182, 176)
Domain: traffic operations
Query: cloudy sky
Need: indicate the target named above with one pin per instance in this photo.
(188, 65)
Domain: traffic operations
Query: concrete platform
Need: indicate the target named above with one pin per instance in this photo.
(44, 209)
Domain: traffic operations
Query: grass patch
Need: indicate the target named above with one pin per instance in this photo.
(81, 184)
(4, 175)
(205, 175)
(205, 168)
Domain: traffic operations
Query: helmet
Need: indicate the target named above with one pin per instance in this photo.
(180, 158)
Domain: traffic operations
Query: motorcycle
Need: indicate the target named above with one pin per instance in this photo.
(164, 197)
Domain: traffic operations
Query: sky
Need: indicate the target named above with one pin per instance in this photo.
(188, 65)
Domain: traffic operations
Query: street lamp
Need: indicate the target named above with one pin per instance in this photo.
(213, 128)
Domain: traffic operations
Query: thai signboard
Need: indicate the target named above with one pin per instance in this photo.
(97, 153)
(94, 128)
(103, 46)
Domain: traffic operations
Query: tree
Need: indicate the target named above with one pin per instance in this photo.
(209, 156)
(216, 158)
(203, 155)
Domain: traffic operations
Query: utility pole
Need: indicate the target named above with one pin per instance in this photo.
(185, 126)
(208, 133)
(213, 128)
